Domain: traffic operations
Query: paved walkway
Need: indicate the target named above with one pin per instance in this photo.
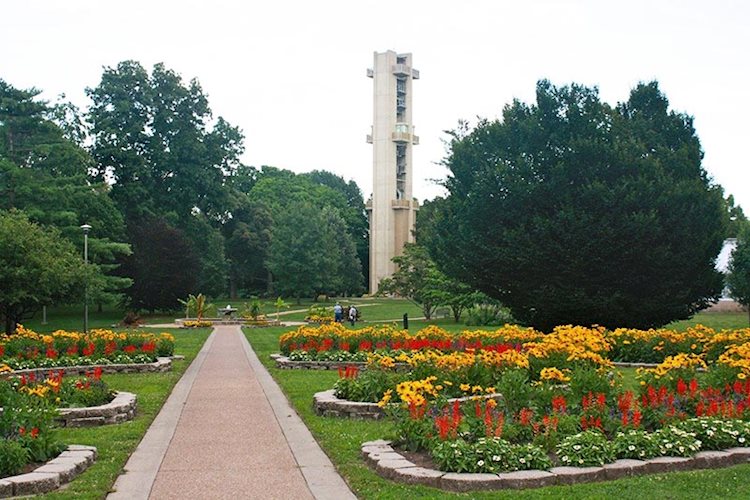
(227, 431)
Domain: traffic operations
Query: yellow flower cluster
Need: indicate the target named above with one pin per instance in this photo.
(508, 333)
(416, 391)
(631, 335)
(92, 336)
(386, 398)
(677, 362)
(737, 356)
(507, 359)
(454, 361)
(554, 375)
(697, 339)
(196, 324)
(577, 343)
(39, 390)
(5, 368)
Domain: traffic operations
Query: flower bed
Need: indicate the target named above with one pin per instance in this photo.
(621, 345)
(26, 349)
(389, 463)
(80, 400)
(563, 403)
(60, 391)
(332, 337)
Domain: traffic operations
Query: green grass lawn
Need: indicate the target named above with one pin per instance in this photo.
(71, 318)
(341, 440)
(115, 443)
(715, 320)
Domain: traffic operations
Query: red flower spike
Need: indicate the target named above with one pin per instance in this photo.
(693, 387)
(637, 418)
(681, 387)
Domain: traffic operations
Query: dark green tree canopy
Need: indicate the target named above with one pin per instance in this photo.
(309, 254)
(44, 173)
(153, 137)
(162, 266)
(571, 211)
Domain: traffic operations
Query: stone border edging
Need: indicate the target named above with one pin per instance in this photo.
(120, 409)
(326, 404)
(285, 363)
(51, 475)
(162, 364)
(623, 364)
(392, 465)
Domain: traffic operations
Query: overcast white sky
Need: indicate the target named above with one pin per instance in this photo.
(292, 74)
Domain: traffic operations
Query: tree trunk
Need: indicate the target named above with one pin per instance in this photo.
(232, 288)
(456, 313)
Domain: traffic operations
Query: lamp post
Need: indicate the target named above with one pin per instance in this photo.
(86, 228)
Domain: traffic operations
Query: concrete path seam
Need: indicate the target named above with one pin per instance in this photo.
(143, 465)
(321, 476)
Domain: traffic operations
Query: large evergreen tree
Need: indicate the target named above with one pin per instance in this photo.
(44, 173)
(570, 211)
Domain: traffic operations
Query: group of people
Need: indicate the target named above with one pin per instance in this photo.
(338, 314)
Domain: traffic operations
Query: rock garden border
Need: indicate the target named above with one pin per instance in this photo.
(120, 409)
(285, 363)
(392, 465)
(50, 476)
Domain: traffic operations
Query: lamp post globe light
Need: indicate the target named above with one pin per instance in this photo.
(86, 228)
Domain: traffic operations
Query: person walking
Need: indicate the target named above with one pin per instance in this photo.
(352, 315)
(338, 313)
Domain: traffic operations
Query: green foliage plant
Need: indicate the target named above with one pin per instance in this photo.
(675, 442)
(717, 434)
(198, 305)
(13, 457)
(488, 455)
(636, 444)
(279, 305)
(487, 313)
(587, 448)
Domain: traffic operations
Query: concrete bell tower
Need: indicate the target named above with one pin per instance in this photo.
(392, 210)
